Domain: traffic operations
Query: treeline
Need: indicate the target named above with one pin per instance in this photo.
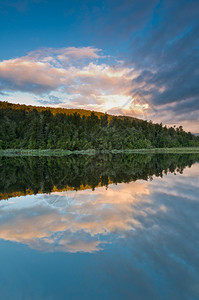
(32, 175)
(54, 110)
(23, 128)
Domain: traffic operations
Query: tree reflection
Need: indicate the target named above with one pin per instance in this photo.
(32, 175)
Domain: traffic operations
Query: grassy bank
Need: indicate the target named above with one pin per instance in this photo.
(60, 152)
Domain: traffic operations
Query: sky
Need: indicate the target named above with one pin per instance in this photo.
(129, 57)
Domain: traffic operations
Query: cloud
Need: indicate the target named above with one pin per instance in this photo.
(52, 100)
(157, 59)
(167, 56)
(116, 21)
(23, 74)
(162, 40)
(65, 55)
(79, 53)
(73, 75)
(161, 67)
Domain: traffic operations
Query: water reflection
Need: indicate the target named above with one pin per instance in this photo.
(32, 175)
(90, 220)
(72, 221)
(75, 234)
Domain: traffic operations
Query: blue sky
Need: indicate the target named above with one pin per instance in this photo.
(137, 58)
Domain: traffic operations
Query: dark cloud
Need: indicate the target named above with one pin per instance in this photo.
(164, 47)
(168, 55)
(35, 88)
(115, 21)
(186, 106)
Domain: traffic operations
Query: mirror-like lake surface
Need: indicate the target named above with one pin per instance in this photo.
(106, 227)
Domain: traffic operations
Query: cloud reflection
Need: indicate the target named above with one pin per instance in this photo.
(85, 221)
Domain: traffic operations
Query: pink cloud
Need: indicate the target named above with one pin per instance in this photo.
(42, 70)
(76, 76)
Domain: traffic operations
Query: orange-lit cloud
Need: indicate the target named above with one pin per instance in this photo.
(79, 77)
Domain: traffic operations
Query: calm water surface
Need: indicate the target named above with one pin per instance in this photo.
(87, 237)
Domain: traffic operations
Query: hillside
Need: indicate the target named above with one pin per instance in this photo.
(59, 110)
(32, 127)
(54, 110)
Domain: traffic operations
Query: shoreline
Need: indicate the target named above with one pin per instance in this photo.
(62, 152)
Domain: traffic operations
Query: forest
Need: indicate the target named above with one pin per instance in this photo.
(31, 127)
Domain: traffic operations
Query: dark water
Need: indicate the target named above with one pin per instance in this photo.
(105, 227)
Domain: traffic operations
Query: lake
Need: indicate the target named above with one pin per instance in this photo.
(99, 227)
